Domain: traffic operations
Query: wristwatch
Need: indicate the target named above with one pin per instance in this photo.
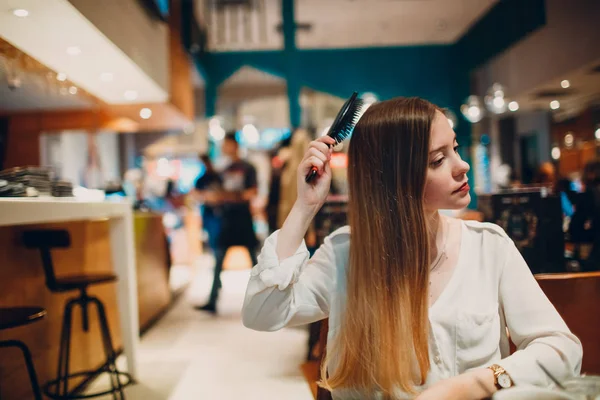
(501, 378)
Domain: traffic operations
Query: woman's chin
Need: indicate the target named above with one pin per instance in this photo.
(450, 204)
(459, 204)
(464, 202)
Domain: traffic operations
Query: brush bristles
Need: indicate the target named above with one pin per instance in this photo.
(350, 119)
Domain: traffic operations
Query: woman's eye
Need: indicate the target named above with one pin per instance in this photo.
(456, 148)
(437, 163)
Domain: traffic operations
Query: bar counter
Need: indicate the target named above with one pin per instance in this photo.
(106, 237)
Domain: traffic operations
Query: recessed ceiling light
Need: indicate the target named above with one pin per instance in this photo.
(20, 12)
(61, 76)
(106, 77)
(513, 106)
(73, 50)
(145, 113)
(130, 95)
(555, 104)
(565, 84)
(73, 90)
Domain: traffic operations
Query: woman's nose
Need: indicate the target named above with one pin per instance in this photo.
(462, 168)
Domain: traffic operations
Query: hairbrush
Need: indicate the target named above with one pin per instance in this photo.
(342, 126)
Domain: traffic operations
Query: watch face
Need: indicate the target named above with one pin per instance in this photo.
(504, 381)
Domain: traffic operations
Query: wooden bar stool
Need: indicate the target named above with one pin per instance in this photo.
(45, 241)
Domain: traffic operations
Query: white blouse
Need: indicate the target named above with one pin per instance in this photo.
(491, 292)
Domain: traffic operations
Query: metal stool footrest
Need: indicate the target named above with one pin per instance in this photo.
(51, 388)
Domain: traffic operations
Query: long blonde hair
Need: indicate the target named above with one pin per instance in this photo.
(384, 330)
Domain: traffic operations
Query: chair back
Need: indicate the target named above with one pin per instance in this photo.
(576, 297)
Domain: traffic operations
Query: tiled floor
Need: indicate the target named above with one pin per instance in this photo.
(192, 355)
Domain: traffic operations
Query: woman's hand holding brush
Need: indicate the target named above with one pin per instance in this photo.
(311, 196)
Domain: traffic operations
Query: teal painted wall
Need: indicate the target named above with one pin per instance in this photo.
(424, 71)
(388, 72)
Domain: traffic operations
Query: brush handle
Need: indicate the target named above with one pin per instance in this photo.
(312, 173)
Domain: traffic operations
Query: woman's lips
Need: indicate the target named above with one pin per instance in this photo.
(464, 188)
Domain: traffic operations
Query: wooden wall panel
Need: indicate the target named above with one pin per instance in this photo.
(22, 149)
(154, 294)
(180, 74)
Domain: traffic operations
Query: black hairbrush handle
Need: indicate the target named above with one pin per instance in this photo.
(312, 173)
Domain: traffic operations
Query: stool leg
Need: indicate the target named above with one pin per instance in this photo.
(63, 356)
(109, 351)
(29, 363)
(85, 320)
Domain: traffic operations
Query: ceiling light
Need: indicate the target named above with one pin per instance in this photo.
(565, 84)
(474, 112)
(494, 99)
(513, 106)
(61, 76)
(20, 12)
(106, 77)
(130, 95)
(472, 109)
(73, 90)
(555, 104)
(452, 120)
(217, 133)
(214, 122)
(251, 134)
(73, 50)
(145, 113)
(555, 153)
(597, 133)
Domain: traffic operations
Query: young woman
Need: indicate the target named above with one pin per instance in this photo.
(419, 304)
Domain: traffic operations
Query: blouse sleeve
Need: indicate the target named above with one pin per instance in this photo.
(293, 291)
(535, 327)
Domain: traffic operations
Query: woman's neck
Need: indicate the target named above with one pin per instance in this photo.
(437, 232)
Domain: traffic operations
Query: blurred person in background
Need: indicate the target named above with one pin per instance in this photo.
(567, 196)
(239, 187)
(207, 188)
(279, 158)
(586, 219)
(299, 144)
(172, 199)
(288, 190)
(546, 176)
